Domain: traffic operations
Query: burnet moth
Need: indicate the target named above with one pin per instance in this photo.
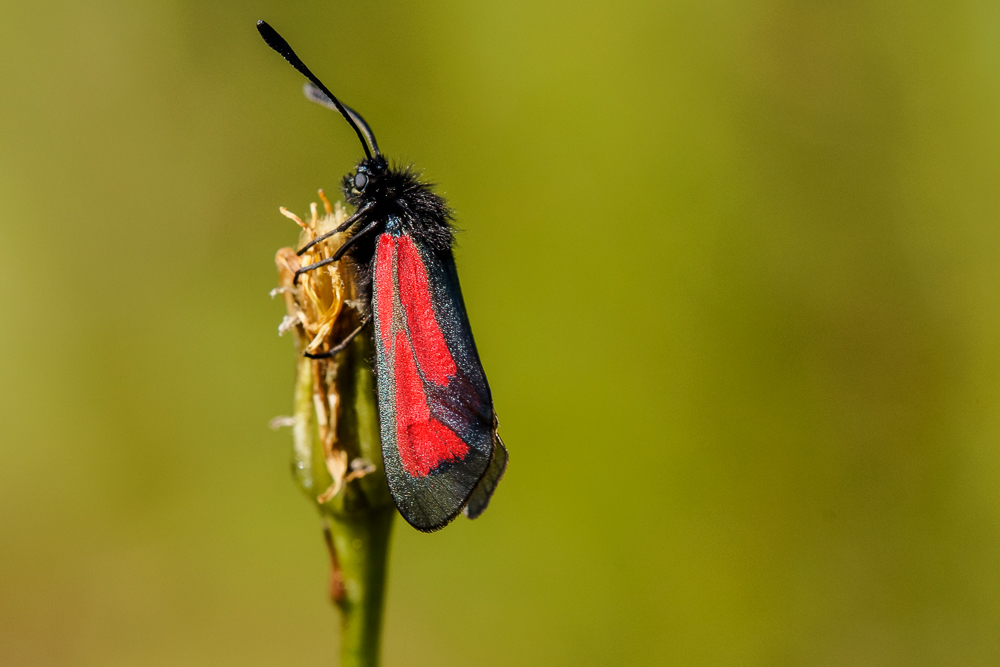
(440, 447)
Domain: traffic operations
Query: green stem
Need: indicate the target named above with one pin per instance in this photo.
(358, 519)
(362, 546)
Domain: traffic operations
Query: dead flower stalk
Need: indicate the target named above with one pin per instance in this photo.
(336, 453)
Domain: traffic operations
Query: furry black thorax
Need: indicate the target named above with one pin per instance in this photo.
(399, 201)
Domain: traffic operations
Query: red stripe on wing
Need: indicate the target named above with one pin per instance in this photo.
(431, 349)
(383, 286)
(424, 442)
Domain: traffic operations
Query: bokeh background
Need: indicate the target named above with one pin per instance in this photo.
(732, 266)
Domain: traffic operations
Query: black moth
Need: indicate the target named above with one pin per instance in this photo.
(440, 447)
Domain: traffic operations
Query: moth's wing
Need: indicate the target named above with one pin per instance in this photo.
(488, 484)
(435, 408)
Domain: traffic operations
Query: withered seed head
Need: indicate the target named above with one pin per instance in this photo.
(315, 304)
(318, 313)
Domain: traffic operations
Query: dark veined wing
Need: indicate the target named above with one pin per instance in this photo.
(439, 441)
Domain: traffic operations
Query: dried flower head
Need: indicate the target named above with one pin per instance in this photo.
(320, 311)
(315, 304)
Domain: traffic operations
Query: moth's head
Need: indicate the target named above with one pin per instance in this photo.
(366, 181)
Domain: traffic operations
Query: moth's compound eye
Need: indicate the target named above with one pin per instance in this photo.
(360, 181)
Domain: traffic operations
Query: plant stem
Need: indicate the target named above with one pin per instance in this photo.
(361, 543)
(337, 451)
(358, 519)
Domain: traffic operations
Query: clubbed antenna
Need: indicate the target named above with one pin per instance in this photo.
(314, 94)
(277, 42)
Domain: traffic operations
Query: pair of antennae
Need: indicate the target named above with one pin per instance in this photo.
(320, 93)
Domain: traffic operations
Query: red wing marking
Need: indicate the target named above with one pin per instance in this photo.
(431, 349)
(383, 285)
(424, 442)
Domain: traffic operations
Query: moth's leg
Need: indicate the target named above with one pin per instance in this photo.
(304, 269)
(351, 241)
(345, 246)
(346, 225)
(339, 347)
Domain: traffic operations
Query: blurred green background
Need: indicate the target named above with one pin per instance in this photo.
(732, 266)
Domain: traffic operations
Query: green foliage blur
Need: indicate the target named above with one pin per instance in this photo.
(732, 267)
